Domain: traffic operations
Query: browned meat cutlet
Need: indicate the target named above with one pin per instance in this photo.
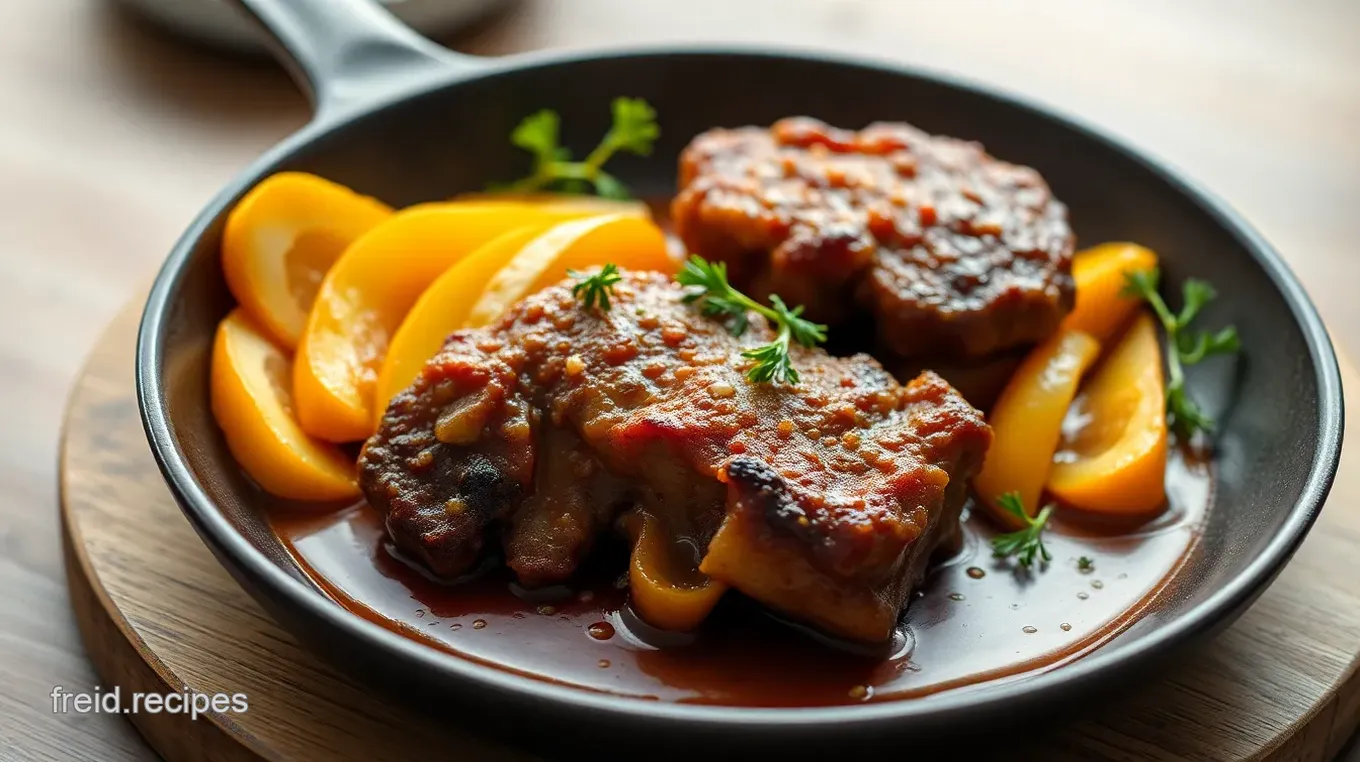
(952, 252)
(826, 498)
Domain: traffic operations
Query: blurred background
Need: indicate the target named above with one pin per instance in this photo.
(118, 120)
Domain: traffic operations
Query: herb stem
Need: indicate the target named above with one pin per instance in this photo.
(708, 287)
(1025, 543)
(1184, 346)
(634, 130)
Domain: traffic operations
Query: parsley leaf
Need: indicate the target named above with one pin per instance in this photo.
(634, 130)
(595, 288)
(708, 287)
(1025, 544)
(1187, 346)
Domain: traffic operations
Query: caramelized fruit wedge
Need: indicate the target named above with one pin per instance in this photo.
(627, 241)
(367, 294)
(251, 399)
(441, 310)
(1027, 421)
(1114, 460)
(588, 204)
(663, 596)
(1100, 273)
(281, 239)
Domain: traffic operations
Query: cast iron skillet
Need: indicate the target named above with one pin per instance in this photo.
(405, 120)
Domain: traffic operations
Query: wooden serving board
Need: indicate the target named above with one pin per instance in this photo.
(158, 614)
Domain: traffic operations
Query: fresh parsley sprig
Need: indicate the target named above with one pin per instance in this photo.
(1187, 347)
(595, 288)
(1027, 543)
(708, 287)
(634, 131)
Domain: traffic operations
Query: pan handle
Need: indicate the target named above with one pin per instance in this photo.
(345, 53)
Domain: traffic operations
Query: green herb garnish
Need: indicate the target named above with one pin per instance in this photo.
(1025, 543)
(595, 288)
(1187, 347)
(1085, 565)
(634, 131)
(717, 298)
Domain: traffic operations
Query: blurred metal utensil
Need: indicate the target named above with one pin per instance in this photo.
(217, 23)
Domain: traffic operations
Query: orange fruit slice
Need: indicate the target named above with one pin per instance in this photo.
(251, 382)
(1027, 421)
(587, 204)
(1116, 462)
(1102, 309)
(368, 292)
(441, 310)
(280, 240)
(630, 242)
(482, 285)
(665, 596)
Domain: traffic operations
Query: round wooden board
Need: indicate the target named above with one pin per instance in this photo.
(158, 614)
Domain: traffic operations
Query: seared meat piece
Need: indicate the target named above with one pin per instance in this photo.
(953, 252)
(823, 500)
(979, 379)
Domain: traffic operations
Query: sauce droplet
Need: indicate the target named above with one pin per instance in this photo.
(861, 692)
(1082, 596)
(604, 664)
(1097, 584)
(479, 624)
(976, 573)
(913, 667)
(903, 643)
(601, 630)
(455, 626)
(1065, 627)
(1122, 575)
(1028, 630)
(956, 596)
(547, 610)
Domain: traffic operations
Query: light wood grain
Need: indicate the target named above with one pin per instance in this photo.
(112, 136)
(159, 614)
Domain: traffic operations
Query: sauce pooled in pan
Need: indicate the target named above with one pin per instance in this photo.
(974, 620)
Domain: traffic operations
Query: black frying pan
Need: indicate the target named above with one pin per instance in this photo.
(402, 119)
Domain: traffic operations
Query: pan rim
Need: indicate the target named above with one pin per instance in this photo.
(1219, 608)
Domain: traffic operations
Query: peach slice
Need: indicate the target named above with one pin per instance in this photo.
(368, 292)
(1102, 308)
(252, 401)
(280, 240)
(590, 204)
(441, 310)
(664, 595)
(1027, 421)
(627, 241)
(1116, 461)
(516, 264)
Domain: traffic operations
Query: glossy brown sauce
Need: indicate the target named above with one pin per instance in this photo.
(975, 619)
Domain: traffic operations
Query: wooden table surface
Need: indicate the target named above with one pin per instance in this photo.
(112, 136)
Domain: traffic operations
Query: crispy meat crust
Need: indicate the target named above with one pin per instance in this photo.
(549, 423)
(953, 252)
